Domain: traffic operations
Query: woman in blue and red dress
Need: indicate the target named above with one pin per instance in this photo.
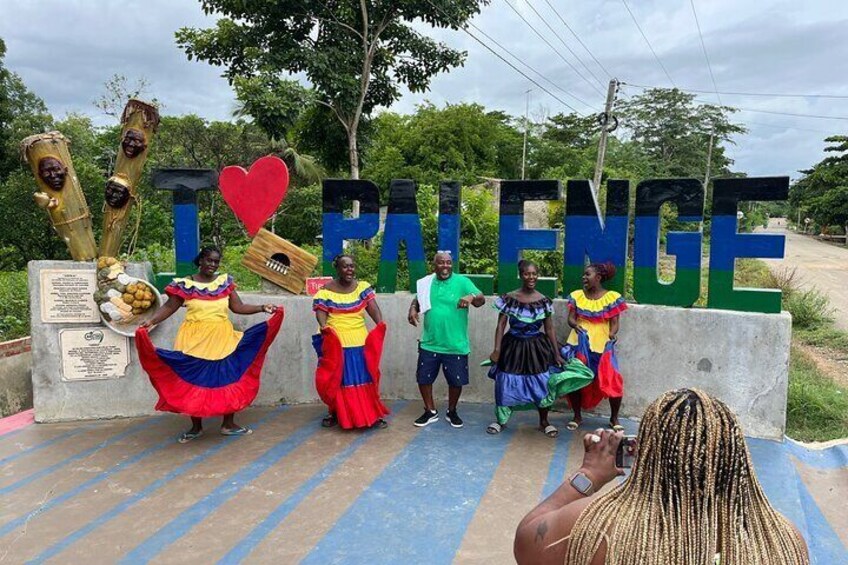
(348, 374)
(213, 369)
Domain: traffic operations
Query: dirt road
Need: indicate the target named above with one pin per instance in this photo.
(820, 265)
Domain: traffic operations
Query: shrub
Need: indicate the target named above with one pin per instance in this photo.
(14, 305)
(809, 308)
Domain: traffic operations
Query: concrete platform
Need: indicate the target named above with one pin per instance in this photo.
(125, 491)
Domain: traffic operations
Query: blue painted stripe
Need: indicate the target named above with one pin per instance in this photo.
(835, 457)
(584, 235)
(186, 232)
(686, 247)
(77, 535)
(182, 524)
(449, 225)
(246, 546)
(421, 504)
(47, 470)
(402, 228)
(42, 445)
(512, 238)
(726, 244)
(646, 241)
(22, 520)
(824, 545)
(559, 462)
(336, 229)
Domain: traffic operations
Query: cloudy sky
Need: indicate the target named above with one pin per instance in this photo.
(757, 46)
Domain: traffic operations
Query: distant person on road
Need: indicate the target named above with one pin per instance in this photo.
(593, 314)
(443, 298)
(692, 498)
(527, 367)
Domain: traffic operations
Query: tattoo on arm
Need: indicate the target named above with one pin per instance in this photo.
(541, 530)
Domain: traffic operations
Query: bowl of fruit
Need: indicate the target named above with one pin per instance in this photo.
(124, 302)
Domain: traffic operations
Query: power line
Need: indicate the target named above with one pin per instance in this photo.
(577, 37)
(561, 40)
(758, 110)
(668, 76)
(496, 54)
(514, 56)
(549, 44)
(764, 94)
(704, 48)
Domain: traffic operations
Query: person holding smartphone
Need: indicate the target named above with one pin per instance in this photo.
(527, 367)
(692, 497)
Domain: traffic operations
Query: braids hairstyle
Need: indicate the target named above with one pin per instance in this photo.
(525, 264)
(693, 493)
(204, 251)
(605, 270)
(337, 259)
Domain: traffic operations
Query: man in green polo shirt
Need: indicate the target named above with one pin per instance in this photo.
(443, 298)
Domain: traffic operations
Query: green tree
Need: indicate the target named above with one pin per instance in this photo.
(356, 55)
(674, 132)
(823, 190)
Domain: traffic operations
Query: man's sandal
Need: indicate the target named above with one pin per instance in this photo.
(239, 431)
(494, 428)
(572, 425)
(189, 436)
(550, 431)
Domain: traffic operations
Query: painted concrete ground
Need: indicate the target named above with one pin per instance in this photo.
(125, 491)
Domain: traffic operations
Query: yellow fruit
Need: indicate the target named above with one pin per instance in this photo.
(148, 295)
(139, 295)
(131, 288)
(128, 298)
(101, 263)
(145, 304)
(137, 311)
(136, 304)
(111, 261)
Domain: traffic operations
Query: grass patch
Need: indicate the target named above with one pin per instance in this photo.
(817, 409)
(824, 336)
(14, 305)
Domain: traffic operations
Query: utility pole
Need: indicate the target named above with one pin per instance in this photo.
(709, 159)
(605, 120)
(526, 124)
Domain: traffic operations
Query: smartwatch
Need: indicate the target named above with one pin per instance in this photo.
(582, 484)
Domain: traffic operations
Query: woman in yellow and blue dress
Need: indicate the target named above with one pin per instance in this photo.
(348, 375)
(213, 369)
(593, 314)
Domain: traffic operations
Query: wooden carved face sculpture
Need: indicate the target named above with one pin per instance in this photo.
(53, 172)
(116, 194)
(133, 143)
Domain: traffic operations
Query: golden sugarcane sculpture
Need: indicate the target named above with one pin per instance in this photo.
(140, 121)
(60, 192)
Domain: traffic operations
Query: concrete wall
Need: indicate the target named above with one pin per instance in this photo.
(741, 357)
(15, 376)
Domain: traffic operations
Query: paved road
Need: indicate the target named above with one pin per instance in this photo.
(820, 265)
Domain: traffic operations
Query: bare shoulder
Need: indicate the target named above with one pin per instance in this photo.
(544, 540)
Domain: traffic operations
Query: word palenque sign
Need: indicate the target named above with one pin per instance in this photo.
(589, 235)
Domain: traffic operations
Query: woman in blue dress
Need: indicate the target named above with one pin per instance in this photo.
(527, 367)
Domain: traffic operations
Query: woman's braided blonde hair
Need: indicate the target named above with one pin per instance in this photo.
(692, 494)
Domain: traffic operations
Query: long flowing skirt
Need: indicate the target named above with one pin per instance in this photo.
(348, 378)
(607, 381)
(202, 387)
(526, 377)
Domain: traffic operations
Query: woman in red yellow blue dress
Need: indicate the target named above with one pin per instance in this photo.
(348, 375)
(213, 369)
(593, 314)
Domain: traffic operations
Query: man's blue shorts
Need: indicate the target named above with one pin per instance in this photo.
(455, 367)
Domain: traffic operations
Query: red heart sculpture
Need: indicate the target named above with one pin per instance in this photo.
(255, 195)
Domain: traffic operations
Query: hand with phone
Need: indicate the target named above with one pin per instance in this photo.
(626, 452)
(600, 460)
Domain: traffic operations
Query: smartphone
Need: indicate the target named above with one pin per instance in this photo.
(626, 452)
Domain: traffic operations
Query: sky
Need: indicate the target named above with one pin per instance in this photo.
(757, 46)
